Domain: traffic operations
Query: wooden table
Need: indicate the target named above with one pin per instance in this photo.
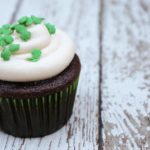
(113, 42)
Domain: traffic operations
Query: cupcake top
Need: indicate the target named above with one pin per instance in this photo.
(32, 50)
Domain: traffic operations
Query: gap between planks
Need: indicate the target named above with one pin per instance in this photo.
(101, 18)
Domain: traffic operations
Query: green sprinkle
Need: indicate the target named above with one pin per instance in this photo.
(25, 35)
(7, 31)
(32, 59)
(29, 21)
(51, 28)
(13, 26)
(1, 30)
(20, 28)
(6, 54)
(23, 20)
(36, 20)
(8, 39)
(36, 54)
(14, 47)
(2, 43)
(6, 26)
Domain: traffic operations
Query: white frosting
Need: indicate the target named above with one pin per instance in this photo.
(57, 53)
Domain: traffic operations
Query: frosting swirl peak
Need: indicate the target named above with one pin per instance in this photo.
(57, 53)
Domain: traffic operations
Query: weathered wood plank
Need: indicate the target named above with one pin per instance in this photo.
(126, 75)
(80, 19)
(8, 9)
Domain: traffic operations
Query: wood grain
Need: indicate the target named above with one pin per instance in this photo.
(7, 9)
(80, 20)
(126, 75)
(113, 42)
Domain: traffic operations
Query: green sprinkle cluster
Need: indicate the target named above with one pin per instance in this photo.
(8, 51)
(36, 54)
(51, 28)
(6, 39)
(30, 20)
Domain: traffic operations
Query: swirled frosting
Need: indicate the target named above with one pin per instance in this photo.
(57, 53)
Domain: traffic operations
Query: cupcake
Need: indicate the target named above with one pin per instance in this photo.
(39, 73)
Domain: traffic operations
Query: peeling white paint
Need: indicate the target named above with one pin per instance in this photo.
(126, 100)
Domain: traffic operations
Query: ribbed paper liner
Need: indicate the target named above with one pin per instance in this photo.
(38, 116)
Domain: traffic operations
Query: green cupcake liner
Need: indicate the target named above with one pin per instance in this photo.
(39, 116)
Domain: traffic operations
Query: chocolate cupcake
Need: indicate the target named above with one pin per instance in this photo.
(39, 73)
